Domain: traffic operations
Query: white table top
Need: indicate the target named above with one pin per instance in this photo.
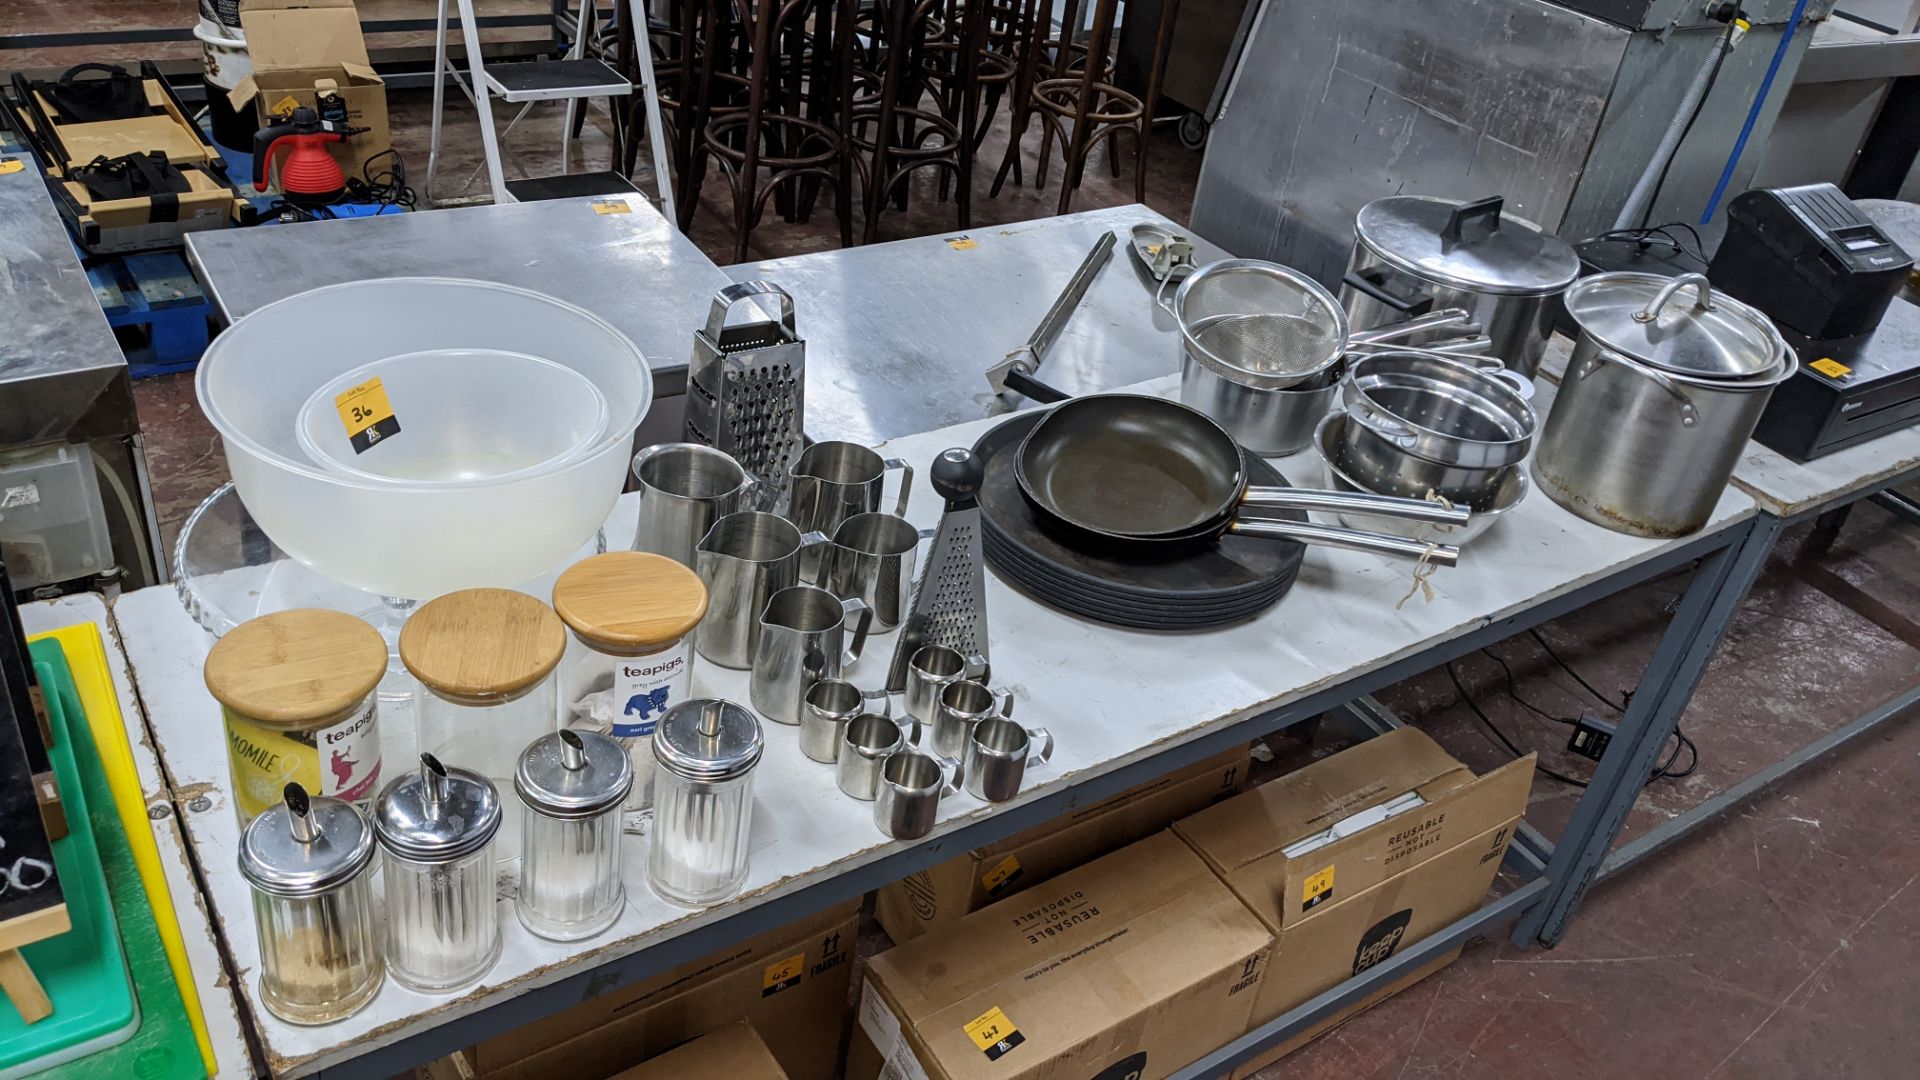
(1083, 681)
(218, 1005)
(1787, 488)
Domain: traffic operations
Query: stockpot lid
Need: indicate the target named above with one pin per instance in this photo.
(1678, 324)
(707, 740)
(573, 774)
(305, 845)
(1469, 246)
(437, 813)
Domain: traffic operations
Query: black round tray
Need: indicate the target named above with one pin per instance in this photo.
(1208, 582)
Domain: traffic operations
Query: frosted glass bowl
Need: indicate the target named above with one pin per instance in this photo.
(465, 415)
(415, 539)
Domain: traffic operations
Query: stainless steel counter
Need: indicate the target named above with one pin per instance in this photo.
(632, 269)
(899, 336)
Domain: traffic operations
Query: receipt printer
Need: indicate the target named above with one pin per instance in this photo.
(1810, 259)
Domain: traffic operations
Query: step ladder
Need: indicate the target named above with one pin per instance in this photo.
(573, 79)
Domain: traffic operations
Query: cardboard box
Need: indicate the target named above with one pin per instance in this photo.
(941, 895)
(790, 983)
(1354, 899)
(735, 1052)
(293, 43)
(1132, 965)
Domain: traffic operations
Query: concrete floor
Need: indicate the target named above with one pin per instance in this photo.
(1780, 942)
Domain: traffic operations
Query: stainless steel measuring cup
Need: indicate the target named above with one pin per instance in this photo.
(803, 640)
(999, 752)
(827, 708)
(871, 557)
(684, 488)
(964, 704)
(906, 801)
(833, 481)
(930, 670)
(866, 743)
(744, 559)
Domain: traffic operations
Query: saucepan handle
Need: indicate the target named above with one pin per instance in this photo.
(1350, 539)
(906, 483)
(1689, 415)
(849, 608)
(1353, 502)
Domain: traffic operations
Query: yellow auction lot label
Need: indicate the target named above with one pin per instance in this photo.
(367, 414)
(994, 1034)
(782, 974)
(1317, 890)
(1003, 874)
(1831, 368)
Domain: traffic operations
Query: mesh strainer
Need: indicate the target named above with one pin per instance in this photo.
(1259, 324)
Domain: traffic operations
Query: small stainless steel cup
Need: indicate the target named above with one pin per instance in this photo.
(833, 481)
(684, 488)
(930, 670)
(907, 799)
(999, 752)
(803, 639)
(828, 707)
(865, 745)
(744, 559)
(871, 557)
(962, 705)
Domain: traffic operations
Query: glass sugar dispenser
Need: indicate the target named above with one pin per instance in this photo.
(436, 830)
(704, 751)
(572, 785)
(629, 657)
(307, 859)
(485, 658)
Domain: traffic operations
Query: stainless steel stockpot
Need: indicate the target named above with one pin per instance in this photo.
(1657, 403)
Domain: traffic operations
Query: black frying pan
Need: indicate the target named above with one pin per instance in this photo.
(1147, 476)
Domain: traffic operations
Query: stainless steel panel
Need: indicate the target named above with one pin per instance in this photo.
(1338, 104)
(1819, 131)
(632, 269)
(900, 335)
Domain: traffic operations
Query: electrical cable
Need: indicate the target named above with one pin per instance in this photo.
(1501, 735)
(1753, 113)
(1723, 50)
(1577, 677)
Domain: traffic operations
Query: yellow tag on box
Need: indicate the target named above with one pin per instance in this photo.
(963, 243)
(1831, 368)
(994, 1034)
(1317, 890)
(996, 880)
(782, 974)
(367, 414)
(11, 165)
(611, 206)
(285, 106)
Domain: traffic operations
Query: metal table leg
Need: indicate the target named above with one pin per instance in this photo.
(1705, 612)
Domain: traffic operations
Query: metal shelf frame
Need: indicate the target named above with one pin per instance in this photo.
(556, 19)
(1546, 868)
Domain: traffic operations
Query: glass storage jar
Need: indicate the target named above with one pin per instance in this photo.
(307, 859)
(630, 654)
(705, 751)
(296, 694)
(436, 828)
(572, 785)
(485, 658)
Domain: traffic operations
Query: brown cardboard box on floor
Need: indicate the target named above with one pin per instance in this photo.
(1132, 965)
(735, 1052)
(791, 983)
(940, 895)
(293, 44)
(1360, 883)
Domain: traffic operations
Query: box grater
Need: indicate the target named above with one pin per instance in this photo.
(745, 388)
(950, 601)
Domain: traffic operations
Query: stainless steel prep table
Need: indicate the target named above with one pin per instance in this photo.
(900, 335)
(630, 267)
(63, 378)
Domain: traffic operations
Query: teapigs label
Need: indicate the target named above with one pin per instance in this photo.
(645, 687)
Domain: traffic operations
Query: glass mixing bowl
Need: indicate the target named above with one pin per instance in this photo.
(416, 539)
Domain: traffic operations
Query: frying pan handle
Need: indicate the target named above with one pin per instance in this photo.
(1350, 539)
(1028, 386)
(1354, 502)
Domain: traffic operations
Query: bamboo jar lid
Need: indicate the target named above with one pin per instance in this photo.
(297, 668)
(480, 645)
(630, 599)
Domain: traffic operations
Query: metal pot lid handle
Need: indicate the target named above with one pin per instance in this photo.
(733, 295)
(1703, 296)
(1689, 415)
(1483, 214)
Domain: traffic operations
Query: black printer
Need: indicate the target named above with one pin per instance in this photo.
(1829, 276)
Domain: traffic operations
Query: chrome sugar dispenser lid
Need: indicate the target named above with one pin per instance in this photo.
(306, 845)
(708, 740)
(573, 774)
(436, 814)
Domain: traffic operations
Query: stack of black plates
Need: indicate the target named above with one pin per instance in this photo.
(1202, 587)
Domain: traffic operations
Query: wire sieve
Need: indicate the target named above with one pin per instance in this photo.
(1259, 324)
